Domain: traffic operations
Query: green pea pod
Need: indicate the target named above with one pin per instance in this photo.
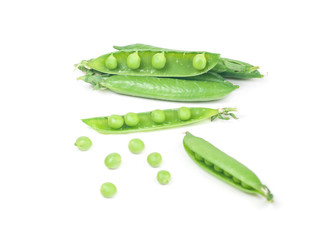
(170, 89)
(229, 68)
(150, 121)
(141, 63)
(223, 166)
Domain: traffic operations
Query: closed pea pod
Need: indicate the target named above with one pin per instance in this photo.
(147, 121)
(237, 175)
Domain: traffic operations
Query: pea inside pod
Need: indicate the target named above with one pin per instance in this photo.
(223, 166)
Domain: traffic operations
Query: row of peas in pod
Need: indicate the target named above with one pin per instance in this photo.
(113, 161)
(152, 72)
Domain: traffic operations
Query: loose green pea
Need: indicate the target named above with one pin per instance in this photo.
(209, 164)
(136, 145)
(159, 61)
(154, 159)
(133, 61)
(113, 160)
(111, 62)
(184, 113)
(163, 177)
(115, 121)
(217, 169)
(83, 143)
(158, 116)
(198, 157)
(108, 190)
(199, 61)
(131, 119)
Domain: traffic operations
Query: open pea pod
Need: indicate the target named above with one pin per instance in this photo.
(223, 166)
(153, 62)
(228, 68)
(155, 120)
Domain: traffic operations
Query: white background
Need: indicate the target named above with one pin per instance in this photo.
(50, 190)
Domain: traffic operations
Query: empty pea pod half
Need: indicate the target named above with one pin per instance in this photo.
(154, 62)
(156, 120)
(223, 166)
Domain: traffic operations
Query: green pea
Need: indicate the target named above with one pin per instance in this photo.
(133, 61)
(217, 169)
(227, 174)
(159, 61)
(115, 121)
(131, 119)
(83, 143)
(113, 160)
(136, 145)
(236, 180)
(184, 113)
(158, 116)
(108, 190)
(199, 61)
(111, 62)
(245, 185)
(198, 157)
(163, 177)
(209, 164)
(154, 159)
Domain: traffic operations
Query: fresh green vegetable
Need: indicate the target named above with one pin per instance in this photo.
(173, 118)
(154, 159)
(163, 177)
(113, 160)
(223, 166)
(229, 68)
(199, 61)
(83, 143)
(108, 190)
(131, 119)
(136, 145)
(115, 121)
(184, 113)
(133, 61)
(170, 89)
(159, 60)
(167, 63)
(158, 116)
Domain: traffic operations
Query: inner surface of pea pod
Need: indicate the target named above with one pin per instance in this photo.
(178, 63)
(146, 123)
(223, 166)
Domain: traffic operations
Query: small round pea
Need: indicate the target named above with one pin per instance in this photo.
(209, 164)
(133, 61)
(199, 61)
(198, 157)
(131, 119)
(158, 116)
(245, 185)
(154, 159)
(111, 62)
(113, 160)
(136, 145)
(83, 143)
(184, 113)
(163, 177)
(159, 60)
(217, 169)
(115, 121)
(108, 190)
